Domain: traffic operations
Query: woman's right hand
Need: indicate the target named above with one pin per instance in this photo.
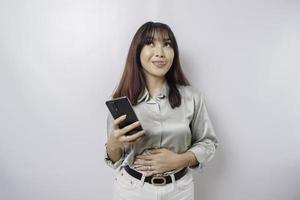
(117, 137)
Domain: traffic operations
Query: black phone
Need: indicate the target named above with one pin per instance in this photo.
(121, 106)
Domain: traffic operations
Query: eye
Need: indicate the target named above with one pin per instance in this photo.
(168, 44)
(150, 43)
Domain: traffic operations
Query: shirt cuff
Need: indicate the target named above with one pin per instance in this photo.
(110, 163)
(203, 155)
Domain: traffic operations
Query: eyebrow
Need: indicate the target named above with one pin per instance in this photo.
(165, 39)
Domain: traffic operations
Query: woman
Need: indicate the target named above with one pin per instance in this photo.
(178, 135)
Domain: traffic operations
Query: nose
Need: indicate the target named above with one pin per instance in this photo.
(159, 52)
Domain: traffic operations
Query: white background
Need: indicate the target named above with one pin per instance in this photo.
(60, 61)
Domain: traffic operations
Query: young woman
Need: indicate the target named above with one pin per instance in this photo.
(178, 135)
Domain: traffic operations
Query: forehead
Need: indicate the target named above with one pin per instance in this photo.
(160, 35)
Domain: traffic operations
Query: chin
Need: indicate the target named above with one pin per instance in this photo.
(156, 73)
(159, 74)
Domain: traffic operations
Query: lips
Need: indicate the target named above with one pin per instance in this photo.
(159, 63)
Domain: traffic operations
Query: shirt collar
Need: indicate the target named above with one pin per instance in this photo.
(162, 94)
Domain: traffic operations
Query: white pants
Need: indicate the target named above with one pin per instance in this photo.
(127, 187)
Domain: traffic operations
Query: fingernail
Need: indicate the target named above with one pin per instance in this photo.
(124, 116)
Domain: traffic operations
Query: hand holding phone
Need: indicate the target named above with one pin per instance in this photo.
(118, 136)
(122, 106)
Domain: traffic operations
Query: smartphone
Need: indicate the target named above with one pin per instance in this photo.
(121, 106)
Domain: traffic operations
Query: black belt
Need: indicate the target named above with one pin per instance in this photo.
(155, 180)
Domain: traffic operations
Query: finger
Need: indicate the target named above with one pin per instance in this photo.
(117, 121)
(150, 173)
(130, 127)
(132, 138)
(155, 151)
(145, 168)
(137, 166)
(145, 157)
(143, 162)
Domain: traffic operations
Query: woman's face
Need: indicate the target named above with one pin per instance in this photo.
(157, 56)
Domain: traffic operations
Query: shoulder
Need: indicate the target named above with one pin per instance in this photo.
(190, 92)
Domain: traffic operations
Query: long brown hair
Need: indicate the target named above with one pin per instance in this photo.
(133, 83)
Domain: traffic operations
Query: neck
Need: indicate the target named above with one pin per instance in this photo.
(154, 84)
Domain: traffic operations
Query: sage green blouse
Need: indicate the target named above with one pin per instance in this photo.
(184, 128)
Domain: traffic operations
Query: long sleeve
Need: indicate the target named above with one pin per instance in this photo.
(107, 160)
(204, 141)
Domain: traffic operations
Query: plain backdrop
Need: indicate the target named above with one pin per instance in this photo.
(60, 61)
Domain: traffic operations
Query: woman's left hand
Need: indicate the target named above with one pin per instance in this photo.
(158, 161)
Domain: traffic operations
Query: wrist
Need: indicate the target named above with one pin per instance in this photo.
(186, 159)
(114, 152)
(182, 161)
(113, 145)
(112, 148)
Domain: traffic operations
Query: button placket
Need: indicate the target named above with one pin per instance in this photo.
(160, 121)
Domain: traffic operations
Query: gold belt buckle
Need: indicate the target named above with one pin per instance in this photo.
(158, 180)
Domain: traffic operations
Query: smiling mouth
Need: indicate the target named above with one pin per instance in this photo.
(159, 63)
